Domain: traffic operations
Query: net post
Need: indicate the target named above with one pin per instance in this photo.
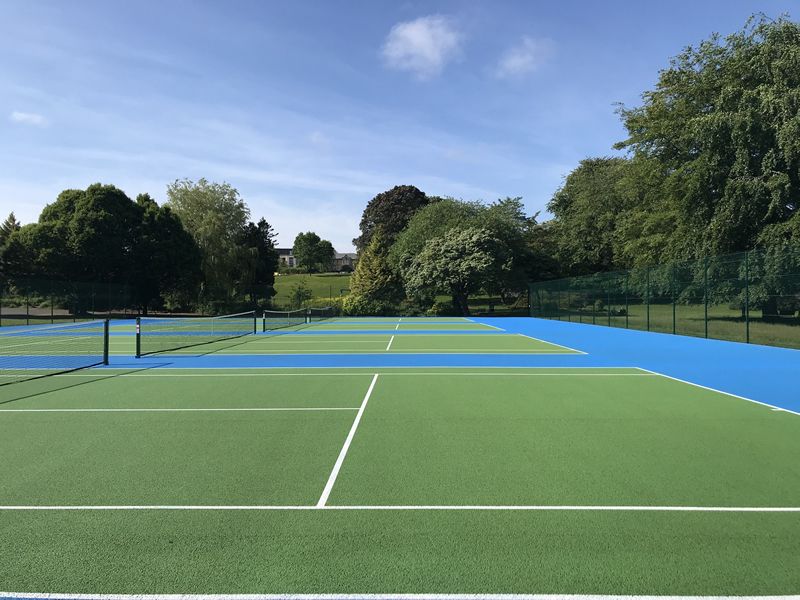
(255, 322)
(138, 337)
(106, 336)
(308, 316)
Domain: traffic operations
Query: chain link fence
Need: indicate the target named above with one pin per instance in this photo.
(34, 301)
(751, 297)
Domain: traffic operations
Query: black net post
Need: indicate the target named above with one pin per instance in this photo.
(106, 336)
(138, 337)
(27, 309)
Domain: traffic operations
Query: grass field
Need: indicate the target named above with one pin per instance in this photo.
(172, 475)
(322, 286)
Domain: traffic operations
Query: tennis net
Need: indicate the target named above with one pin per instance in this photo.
(38, 351)
(280, 319)
(320, 314)
(154, 335)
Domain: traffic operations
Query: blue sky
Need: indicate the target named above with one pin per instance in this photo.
(310, 108)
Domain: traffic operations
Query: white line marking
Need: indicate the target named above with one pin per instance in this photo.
(401, 596)
(96, 410)
(415, 373)
(552, 343)
(389, 345)
(434, 507)
(710, 389)
(397, 327)
(323, 499)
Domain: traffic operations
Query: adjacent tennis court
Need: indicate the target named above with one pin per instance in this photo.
(581, 470)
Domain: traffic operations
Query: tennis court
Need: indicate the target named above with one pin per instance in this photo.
(491, 456)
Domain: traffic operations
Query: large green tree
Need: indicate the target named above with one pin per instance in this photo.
(390, 211)
(505, 219)
(99, 235)
(166, 259)
(313, 253)
(460, 263)
(216, 217)
(724, 123)
(9, 226)
(259, 261)
(375, 287)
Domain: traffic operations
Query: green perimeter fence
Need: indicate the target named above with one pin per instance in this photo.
(751, 297)
(34, 301)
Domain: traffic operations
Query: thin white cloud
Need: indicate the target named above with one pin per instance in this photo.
(423, 46)
(27, 118)
(524, 58)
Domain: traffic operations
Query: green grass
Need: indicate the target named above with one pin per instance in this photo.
(322, 286)
(724, 323)
(427, 436)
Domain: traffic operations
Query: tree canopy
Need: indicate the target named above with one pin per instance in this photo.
(312, 252)
(391, 211)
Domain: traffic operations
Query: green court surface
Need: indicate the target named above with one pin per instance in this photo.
(404, 480)
(290, 341)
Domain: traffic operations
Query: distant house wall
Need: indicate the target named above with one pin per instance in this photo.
(346, 259)
(286, 256)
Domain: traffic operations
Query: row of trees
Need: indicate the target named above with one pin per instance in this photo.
(712, 165)
(414, 249)
(200, 250)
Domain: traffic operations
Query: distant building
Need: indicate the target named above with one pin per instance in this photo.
(286, 256)
(342, 261)
(345, 261)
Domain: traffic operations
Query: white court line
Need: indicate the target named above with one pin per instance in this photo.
(109, 372)
(389, 345)
(400, 596)
(397, 327)
(704, 387)
(95, 410)
(434, 507)
(323, 499)
(486, 324)
(552, 343)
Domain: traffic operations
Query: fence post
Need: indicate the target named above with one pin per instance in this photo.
(672, 292)
(626, 301)
(608, 306)
(27, 309)
(746, 297)
(52, 317)
(569, 304)
(705, 294)
(647, 295)
(106, 336)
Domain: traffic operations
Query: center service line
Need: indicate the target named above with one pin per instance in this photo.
(389, 345)
(323, 499)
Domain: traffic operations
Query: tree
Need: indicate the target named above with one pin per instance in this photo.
(312, 253)
(460, 263)
(300, 294)
(9, 226)
(166, 258)
(723, 123)
(587, 208)
(391, 211)
(375, 287)
(505, 219)
(259, 261)
(216, 217)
